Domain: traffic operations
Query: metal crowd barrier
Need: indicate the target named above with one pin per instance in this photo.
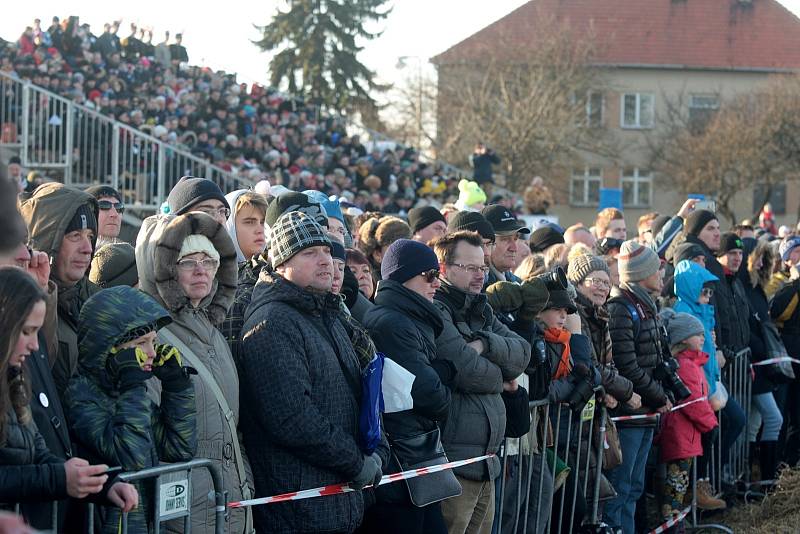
(172, 498)
(552, 477)
(86, 147)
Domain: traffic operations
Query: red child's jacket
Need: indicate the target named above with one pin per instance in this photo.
(679, 436)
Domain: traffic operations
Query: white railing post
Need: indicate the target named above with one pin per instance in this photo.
(68, 143)
(162, 175)
(25, 120)
(115, 156)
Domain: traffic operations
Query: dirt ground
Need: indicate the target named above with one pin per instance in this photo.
(778, 513)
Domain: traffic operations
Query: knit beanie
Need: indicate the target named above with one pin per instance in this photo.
(729, 241)
(560, 298)
(114, 265)
(658, 224)
(637, 262)
(294, 201)
(580, 267)
(787, 246)
(195, 243)
(337, 251)
(470, 194)
(405, 259)
(419, 218)
(697, 220)
(471, 221)
(687, 251)
(680, 326)
(293, 232)
(190, 191)
(99, 191)
(545, 237)
(83, 219)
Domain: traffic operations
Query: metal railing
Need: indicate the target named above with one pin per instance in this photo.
(86, 147)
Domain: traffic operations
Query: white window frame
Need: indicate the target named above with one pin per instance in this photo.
(638, 177)
(584, 179)
(638, 124)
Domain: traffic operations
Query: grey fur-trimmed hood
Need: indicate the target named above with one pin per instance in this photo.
(157, 247)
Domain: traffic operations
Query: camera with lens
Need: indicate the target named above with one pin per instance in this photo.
(554, 279)
(584, 387)
(667, 371)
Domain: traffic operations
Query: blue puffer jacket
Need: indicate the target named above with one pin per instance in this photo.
(689, 280)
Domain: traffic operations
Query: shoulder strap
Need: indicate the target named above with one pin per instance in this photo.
(205, 375)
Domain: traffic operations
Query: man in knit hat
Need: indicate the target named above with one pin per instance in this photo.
(473, 221)
(427, 223)
(109, 218)
(636, 348)
(198, 194)
(62, 222)
(300, 377)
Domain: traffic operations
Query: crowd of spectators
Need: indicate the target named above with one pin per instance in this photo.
(251, 131)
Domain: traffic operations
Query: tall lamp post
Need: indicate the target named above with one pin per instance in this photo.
(402, 64)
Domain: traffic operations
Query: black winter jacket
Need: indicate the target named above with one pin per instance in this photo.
(29, 471)
(736, 324)
(404, 326)
(636, 356)
(477, 418)
(300, 427)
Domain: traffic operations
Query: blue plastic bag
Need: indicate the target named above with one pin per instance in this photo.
(369, 417)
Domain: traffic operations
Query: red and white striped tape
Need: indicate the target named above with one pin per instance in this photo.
(776, 360)
(672, 522)
(648, 415)
(337, 489)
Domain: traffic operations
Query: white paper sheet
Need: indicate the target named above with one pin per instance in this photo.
(396, 385)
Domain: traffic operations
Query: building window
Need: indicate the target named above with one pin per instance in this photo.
(701, 110)
(637, 188)
(584, 187)
(593, 103)
(638, 110)
(775, 194)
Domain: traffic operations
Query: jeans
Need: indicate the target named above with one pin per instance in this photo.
(628, 477)
(765, 410)
(733, 421)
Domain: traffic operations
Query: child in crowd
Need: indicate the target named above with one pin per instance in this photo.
(680, 435)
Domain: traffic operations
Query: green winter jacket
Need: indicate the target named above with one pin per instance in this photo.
(125, 428)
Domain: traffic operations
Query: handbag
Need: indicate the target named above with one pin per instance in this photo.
(425, 450)
(781, 372)
(612, 449)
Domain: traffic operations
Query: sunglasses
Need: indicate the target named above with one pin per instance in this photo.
(430, 275)
(107, 205)
(707, 292)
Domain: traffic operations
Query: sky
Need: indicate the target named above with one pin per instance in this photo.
(221, 37)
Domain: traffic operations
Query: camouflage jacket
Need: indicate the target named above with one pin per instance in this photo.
(125, 428)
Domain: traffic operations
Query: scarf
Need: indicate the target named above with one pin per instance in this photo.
(560, 335)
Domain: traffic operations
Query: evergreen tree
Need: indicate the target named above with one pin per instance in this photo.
(316, 50)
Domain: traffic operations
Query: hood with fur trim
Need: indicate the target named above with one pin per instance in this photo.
(157, 248)
(230, 224)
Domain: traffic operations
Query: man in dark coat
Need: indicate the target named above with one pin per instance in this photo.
(482, 160)
(636, 346)
(300, 378)
(488, 358)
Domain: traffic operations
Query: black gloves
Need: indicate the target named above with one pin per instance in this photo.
(349, 288)
(168, 369)
(125, 368)
(370, 472)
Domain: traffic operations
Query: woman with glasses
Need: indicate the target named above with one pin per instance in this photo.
(188, 264)
(404, 325)
(590, 276)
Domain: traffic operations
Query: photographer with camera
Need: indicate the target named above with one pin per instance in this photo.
(636, 347)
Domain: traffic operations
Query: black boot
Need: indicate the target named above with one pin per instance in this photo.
(768, 460)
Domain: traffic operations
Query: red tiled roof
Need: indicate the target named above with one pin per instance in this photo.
(720, 34)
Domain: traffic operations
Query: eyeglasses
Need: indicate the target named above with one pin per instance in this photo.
(430, 275)
(489, 244)
(707, 292)
(597, 283)
(106, 205)
(225, 212)
(472, 269)
(189, 265)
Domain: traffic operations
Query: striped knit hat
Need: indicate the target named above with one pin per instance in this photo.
(293, 232)
(637, 262)
(581, 266)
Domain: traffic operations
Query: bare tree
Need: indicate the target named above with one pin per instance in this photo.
(753, 139)
(411, 115)
(537, 108)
